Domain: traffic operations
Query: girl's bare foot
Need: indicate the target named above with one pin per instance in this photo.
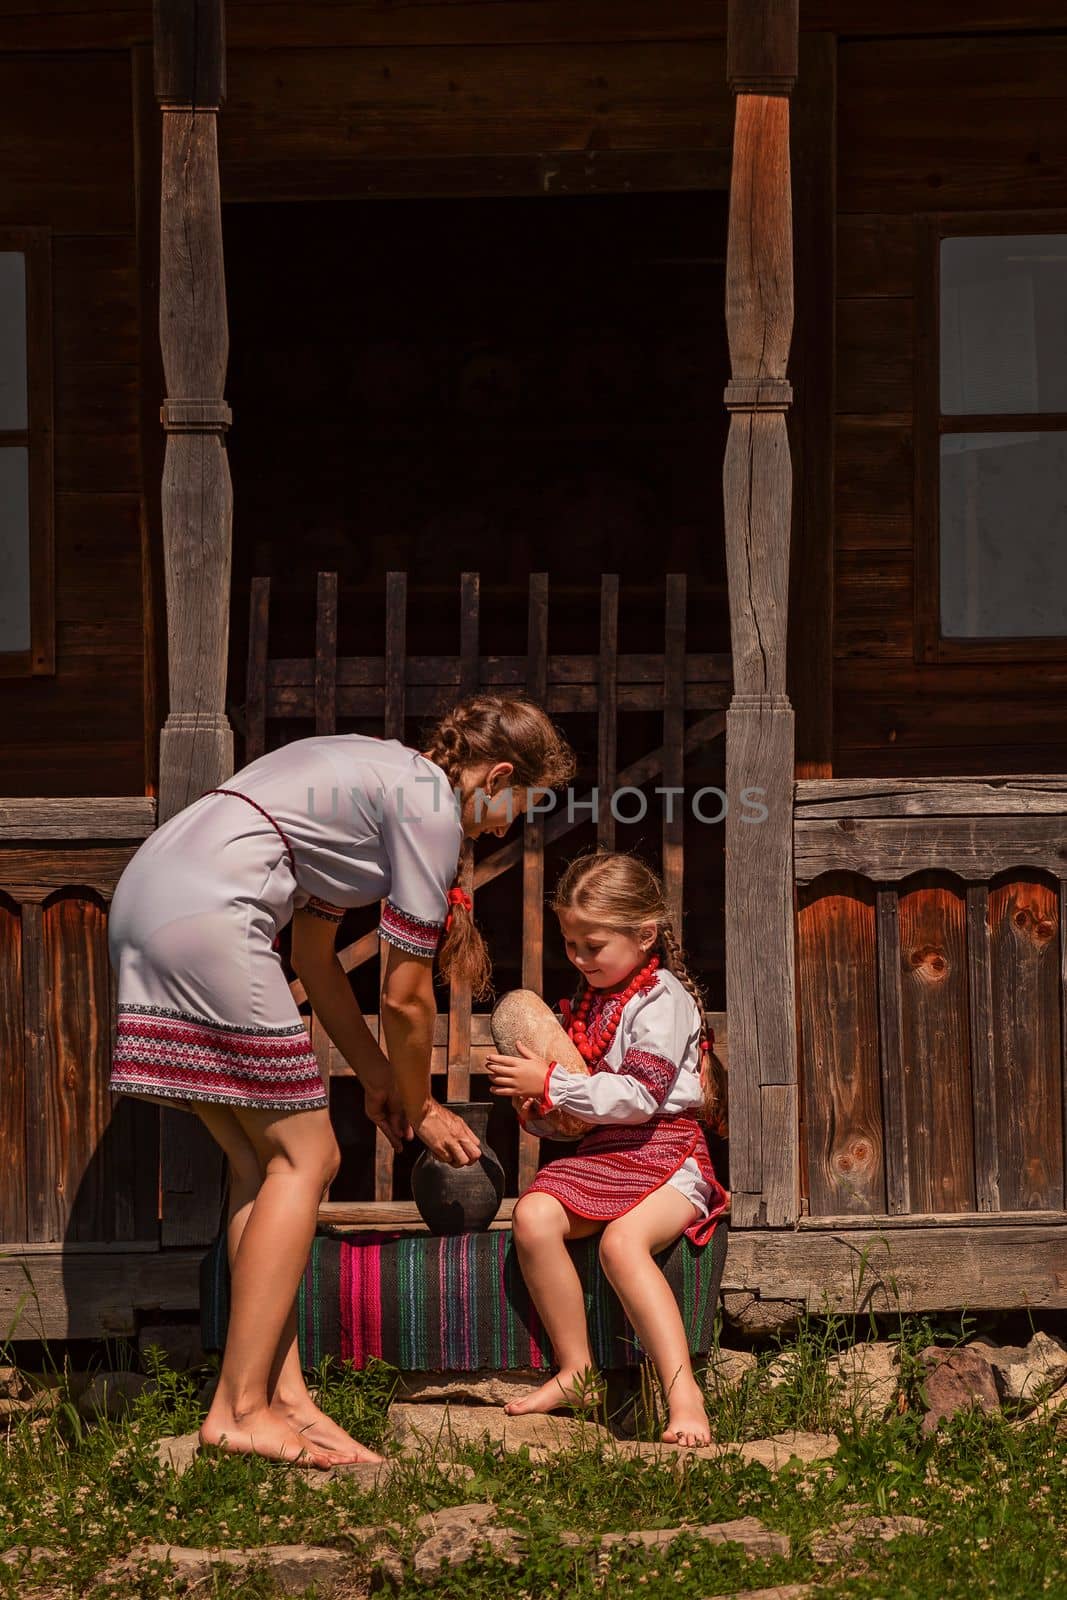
(263, 1433)
(687, 1421)
(316, 1428)
(567, 1388)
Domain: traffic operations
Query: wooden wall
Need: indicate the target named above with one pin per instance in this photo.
(82, 731)
(935, 124)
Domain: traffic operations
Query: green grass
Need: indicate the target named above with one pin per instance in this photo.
(995, 1499)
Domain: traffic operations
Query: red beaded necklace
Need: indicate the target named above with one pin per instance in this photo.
(593, 1033)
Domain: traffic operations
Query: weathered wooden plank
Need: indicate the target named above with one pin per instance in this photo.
(423, 700)
(533, 846)
(984, 1075)
(394, 712)
(196, 742)
(31, 874)
(192, 1181)
(442, 672)
(939, 1220)
(1027, 1045)
(399, 1214)
(1063, 1020)
(673, 842)
(948, 123)
(256, 674)
(334, 106)
(326, 654)
(761, 46)
(757, 498)
(94, 1293)
(459, 992)
(838, 1008)
(77, 817)
(780, 1200)
(607, 710)
(875, 355)
(896, 1159)
(873, 466)
(432, 176)
(13, 1106)
(891, 848)
(49, 101)
(935, 1046)
(40, 1194)
(190, 52)
(813, 135)
(873, 605)
(828, 797)
(875, 256)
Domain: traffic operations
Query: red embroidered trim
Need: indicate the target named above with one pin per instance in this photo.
(416, 935)
(323, 909)
(174, 1053)
(655, 1072)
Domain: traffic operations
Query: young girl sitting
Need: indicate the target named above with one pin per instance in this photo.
(643, 1173)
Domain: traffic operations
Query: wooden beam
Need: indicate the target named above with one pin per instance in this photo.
(888, 849)
(757, 492)
(196, 742)
(813, 138)
(78, 817)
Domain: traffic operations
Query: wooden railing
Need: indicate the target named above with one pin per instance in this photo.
(932, 994)
(395, 686)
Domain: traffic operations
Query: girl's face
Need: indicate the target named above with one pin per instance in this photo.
(604, 957)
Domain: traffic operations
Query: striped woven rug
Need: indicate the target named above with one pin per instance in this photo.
(458, 1304)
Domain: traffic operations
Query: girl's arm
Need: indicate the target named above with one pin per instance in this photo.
(659, 1031)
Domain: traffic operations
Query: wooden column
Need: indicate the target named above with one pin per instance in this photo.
(757, 487)
(196, 743)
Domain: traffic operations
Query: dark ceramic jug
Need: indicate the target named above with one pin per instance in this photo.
(460, 1199)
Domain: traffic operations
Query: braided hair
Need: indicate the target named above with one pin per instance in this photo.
(621, 892)
(476, 732)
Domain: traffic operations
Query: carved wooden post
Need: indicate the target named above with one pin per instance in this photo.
(196, 743)
(757, 487)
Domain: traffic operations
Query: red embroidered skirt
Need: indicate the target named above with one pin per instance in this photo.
(615, 1168)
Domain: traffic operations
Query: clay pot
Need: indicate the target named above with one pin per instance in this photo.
(522, 1014)
(460, 1199)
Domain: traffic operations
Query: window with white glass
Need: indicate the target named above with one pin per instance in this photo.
(26, 624)
(995, 491)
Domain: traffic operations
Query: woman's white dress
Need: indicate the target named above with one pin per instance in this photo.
(204, 1007)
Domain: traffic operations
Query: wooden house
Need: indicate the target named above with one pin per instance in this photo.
(698, 367)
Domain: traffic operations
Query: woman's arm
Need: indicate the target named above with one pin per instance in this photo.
(409, 1010)
(314, 960)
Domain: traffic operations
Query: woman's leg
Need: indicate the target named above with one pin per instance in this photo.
(626, 1252)
(298, 1155)
(540, 1227)
(287, 1393)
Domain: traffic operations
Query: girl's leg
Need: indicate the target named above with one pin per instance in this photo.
(626, 1252)
(287, 1393)
(298, 1155)
(540, 1227)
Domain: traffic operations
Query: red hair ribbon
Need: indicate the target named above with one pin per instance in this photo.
(458, 897)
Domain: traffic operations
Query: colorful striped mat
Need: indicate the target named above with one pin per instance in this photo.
(457, 1304)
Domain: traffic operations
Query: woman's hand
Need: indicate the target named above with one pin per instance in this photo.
(522, 1075)
(385, 1111)
(446, 1136)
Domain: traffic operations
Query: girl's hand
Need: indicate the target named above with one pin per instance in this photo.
(522, 1075)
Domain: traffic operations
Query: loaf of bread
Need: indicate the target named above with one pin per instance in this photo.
(522, 1014)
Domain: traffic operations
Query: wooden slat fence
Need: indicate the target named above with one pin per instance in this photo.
(397, 686)
(74, 1169)
(932, 989)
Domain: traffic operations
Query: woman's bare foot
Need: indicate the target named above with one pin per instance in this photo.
(305, 1418)
(263, 1433)
(567, 1388)
(687, 1421)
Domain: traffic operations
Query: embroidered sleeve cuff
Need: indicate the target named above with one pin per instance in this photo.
(323, 909)
(415, 935)
(656, 1073)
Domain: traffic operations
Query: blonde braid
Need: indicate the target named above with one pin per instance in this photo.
(712, 1076)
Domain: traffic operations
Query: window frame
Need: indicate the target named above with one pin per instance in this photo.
(37, 437)
(931, 423)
